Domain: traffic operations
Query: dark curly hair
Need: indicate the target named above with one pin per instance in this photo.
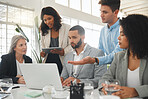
(113, 4)
(135, 28)
(57, 20)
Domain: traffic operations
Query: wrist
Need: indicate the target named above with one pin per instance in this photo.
(135, 93)
(78, 80)
(95, 60)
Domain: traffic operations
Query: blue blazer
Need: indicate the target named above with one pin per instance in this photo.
(8, 67)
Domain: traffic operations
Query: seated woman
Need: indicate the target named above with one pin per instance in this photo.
(10, 67)
(130, 66)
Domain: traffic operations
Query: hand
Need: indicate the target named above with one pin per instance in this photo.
(42, 54)
(103, 89)
(86, 60)
(18, 76)
(67, 82)
(62, 79)
(56, 51)
(125, 92)
(21, 80)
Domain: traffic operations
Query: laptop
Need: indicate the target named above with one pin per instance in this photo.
(38, 76)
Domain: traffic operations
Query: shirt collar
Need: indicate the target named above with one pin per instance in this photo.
(114, 25)
(74, 52)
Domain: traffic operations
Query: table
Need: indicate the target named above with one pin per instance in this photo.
(18, 93)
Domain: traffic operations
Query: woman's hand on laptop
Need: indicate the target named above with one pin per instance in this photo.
(21, 80)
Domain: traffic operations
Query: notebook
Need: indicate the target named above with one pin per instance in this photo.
(38, 76)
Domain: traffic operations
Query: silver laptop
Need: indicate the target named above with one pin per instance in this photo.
(38, 76)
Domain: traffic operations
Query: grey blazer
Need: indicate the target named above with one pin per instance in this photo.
(88, 72)
(118, 70)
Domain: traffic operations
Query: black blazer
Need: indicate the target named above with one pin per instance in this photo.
(8, 67)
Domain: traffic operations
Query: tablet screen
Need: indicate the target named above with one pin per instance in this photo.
(47, 50)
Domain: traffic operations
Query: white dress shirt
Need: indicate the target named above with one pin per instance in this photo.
(18, 68)
(77, 58)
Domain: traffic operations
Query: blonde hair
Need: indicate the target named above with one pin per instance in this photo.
(14, 41)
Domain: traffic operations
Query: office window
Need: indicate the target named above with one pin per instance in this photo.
(66, 20)
(62, 2)
(95, 8)
(73, 22)
(86, 6)
(2, 38)
(75, 4)
(10, 16)
(2, 12)
(92, 31)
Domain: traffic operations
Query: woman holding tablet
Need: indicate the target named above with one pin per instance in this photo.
(54, 34)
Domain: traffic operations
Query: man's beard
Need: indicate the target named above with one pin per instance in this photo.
(77, 45)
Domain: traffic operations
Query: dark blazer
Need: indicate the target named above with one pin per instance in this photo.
(8, 67)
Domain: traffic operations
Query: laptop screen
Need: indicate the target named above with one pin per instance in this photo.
(38, 76)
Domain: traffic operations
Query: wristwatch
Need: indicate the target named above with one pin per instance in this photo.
(96, 61)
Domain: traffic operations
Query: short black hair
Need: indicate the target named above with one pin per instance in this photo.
(135, 28)
(80, 29)
(113, 4)
(57, 19)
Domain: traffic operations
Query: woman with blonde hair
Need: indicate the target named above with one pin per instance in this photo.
(10, 67)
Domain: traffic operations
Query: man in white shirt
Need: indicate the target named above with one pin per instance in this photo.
(88, 73)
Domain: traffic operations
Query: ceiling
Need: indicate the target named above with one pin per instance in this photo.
(134, 7)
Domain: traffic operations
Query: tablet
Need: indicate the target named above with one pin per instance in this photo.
(47, 50)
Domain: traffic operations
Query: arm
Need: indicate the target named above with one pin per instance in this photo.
(5, 69)
(109, 74)
(43, 54)
(64, 73)
(108, 58)
(142, 90)
(68, 47)
(99, 70)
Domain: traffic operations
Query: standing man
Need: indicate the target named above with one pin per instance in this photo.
(81, 73)
(108, 37)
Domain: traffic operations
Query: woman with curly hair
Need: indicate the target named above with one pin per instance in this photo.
(130, 66)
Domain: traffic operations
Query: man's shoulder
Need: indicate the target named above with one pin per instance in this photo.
(69, 54)
(94, 50)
